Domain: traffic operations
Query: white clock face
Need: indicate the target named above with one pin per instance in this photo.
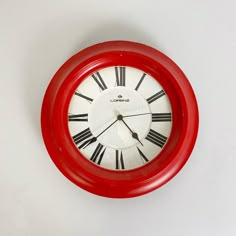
(120, 118)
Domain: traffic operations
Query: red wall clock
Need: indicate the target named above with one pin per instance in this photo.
(119, 119)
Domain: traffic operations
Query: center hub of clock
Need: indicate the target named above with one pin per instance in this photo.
(108, 108)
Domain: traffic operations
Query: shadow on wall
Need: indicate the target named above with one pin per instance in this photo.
(52, 45)
(114, 31)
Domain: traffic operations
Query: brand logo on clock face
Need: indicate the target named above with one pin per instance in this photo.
(119, 99)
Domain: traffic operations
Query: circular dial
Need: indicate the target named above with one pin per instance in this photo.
(120, 118)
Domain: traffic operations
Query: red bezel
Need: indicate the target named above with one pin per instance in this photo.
(84, 173)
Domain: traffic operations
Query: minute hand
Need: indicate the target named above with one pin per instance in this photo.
(94, 139)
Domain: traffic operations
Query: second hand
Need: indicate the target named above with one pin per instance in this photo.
(141, 114)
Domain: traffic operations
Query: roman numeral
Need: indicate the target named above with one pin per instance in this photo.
(144, 158)
(83, 96)
(98, 154)
(79, 117)
(140, 81)
(98, 79)
(119, 160)
(120, 76)
(156, 138)
(160, 117)
(155, 96)
(83, 138)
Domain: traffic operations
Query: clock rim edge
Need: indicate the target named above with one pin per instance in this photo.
(159, 179)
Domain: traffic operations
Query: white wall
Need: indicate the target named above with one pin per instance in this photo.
(36, 37)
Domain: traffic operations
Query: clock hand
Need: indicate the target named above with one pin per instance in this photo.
(141, 114)
(134, 134)
(119, 117)
(94, 139)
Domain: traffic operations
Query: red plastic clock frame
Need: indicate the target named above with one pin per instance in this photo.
(91, 177)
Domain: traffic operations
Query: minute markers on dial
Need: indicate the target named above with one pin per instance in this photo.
(156, 96)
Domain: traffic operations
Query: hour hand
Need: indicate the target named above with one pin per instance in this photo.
(134, 134)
